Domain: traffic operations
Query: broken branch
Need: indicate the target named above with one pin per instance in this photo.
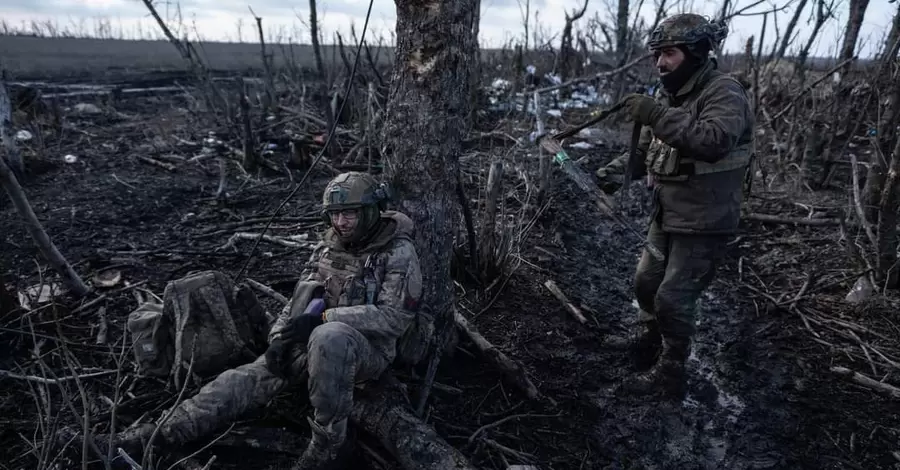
(510, 368)
(558, 293)
(880, 387)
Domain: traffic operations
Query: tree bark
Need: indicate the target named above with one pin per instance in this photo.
(314, 37)
(7, 136)
(622, 44)
(789, 32)
(415, 445)
(854, 24)
(41, 239)
(426, 121)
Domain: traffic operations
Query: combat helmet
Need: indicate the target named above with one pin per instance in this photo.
(686, 29)
(355, 190)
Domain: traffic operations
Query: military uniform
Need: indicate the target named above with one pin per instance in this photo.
(371, 290)
(695, 146)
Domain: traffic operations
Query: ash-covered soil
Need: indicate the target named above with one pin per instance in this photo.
(761, 394)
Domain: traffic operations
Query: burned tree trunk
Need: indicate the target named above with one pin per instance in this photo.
(427, 115)
(314, 37)
(789, 31)
(854, 24)
(622, 44)
(41, 239)
(11, 152)
(566, 50)
(890, 117)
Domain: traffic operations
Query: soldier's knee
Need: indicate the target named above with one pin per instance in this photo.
(646, 283)
(330, 336)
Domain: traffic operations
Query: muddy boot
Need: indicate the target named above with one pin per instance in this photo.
(132, 440)
(328, 449)
(644, 346)
(668, 377)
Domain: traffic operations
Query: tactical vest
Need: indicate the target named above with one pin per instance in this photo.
(666, 163)
(355, 279)
(349, 278)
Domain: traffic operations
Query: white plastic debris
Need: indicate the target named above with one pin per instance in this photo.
(581, 145)
(70, 158)
(531, 69)
(87, 108)
(500, 84)
(862, 290)
(39, 294)
(554, 112)
(23, 136)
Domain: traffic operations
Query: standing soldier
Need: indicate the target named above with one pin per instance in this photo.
(695, 147)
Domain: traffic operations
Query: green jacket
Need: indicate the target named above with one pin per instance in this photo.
(697, 153)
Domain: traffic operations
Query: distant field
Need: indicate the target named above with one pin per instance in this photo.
(33, 58)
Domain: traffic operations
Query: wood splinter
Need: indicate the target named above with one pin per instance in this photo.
(166, 166)
(557, 292)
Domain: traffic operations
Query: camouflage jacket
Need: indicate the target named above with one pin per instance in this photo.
(697, 153)
(375, 289)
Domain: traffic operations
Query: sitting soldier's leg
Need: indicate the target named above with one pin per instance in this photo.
(223, 400)
(691, 268)
(339, 357)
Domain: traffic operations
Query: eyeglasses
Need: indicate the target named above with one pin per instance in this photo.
(349, 214)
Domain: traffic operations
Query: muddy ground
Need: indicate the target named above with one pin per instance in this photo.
(761, 394)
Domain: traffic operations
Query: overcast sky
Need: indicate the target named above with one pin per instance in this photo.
(501, 19)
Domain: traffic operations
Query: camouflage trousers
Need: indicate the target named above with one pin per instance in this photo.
(337, 357)
(668, 291)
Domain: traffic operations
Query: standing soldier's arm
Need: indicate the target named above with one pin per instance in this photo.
(724, 117)
(620, 163)
(614, 172)
(397, 300)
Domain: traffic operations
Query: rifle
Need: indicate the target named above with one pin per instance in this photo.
(586, 182)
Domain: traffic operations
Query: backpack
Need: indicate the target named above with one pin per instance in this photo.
(204, 318)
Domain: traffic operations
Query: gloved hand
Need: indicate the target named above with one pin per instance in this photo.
(643, 108)
(610, 182)
(315, 307)
(295, 333)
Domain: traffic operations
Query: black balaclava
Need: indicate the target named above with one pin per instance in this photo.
(695, 57)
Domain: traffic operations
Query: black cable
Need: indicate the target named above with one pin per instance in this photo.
(331, 133)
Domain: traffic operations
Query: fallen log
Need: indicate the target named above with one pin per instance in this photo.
(872, 384)
(510, 368)
(384, 413)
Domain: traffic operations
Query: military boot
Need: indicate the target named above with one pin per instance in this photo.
(328, 449)
(667, 377)
(132, 440)
(644, 345)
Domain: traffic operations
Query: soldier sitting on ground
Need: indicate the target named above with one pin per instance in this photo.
(357, 297)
